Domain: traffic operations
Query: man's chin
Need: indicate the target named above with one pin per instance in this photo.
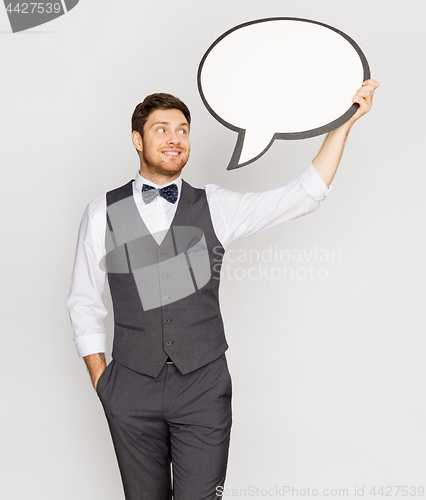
(174, 166)
(173, 169)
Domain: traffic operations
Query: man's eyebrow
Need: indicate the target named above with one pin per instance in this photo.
(183, 124)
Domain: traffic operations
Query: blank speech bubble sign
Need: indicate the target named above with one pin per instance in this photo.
(280, 78)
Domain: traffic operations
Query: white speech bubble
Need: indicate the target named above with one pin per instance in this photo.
(280, 78)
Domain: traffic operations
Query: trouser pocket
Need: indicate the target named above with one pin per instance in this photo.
(103, 379)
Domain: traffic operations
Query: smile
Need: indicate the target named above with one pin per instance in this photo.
(172, 153)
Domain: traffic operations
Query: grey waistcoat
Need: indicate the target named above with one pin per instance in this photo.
(165, 297)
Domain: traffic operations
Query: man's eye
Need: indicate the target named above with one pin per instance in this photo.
(160, 130)
(184, 132)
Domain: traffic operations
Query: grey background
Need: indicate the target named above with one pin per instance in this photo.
(334, 397)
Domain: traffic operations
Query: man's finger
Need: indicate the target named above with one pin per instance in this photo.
(365, 91)
(359, 99)
(368, 87)
(370, 81)
(364, 105)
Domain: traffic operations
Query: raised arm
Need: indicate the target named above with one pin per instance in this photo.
(328, 158)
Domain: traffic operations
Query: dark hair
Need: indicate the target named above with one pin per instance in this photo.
(153, 102)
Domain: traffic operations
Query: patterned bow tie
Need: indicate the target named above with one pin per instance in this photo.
(169, 193)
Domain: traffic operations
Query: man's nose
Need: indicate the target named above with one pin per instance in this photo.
(173, 138)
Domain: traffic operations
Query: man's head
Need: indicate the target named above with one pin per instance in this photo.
(160, 133)
(154, 102)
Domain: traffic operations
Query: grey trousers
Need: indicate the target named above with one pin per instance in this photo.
(183, 420)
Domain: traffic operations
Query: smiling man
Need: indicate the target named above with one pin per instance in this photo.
(163, 143)
(167, 390)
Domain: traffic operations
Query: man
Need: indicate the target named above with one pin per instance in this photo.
(167, 391)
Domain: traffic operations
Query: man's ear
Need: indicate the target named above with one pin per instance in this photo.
(137, 140)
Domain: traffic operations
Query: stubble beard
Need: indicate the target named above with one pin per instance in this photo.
(160, 167)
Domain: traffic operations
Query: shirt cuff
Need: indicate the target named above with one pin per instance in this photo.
(90, 344)
(313, 184)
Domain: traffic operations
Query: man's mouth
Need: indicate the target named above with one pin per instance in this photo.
(172, 153)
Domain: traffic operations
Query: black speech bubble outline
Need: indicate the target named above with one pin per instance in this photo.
(233, 164)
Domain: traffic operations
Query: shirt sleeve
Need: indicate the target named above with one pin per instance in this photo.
(237, 215)
(85, 305)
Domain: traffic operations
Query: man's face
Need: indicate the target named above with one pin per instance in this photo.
(165, 144)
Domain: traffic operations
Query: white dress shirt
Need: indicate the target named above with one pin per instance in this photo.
(234, 215)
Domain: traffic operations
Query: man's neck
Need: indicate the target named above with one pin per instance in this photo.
(158, 179)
